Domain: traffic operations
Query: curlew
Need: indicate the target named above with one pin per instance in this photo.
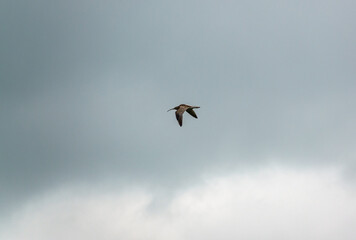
(181, 109)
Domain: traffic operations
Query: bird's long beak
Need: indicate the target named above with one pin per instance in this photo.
(170, 109)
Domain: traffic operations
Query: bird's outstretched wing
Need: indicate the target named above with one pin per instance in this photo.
(179, 116)
(191, 112)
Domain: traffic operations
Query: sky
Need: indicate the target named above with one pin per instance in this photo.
(88, 150)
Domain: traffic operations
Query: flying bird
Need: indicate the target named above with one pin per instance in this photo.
(181, 109)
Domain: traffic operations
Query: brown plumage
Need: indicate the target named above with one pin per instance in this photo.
(181, 109)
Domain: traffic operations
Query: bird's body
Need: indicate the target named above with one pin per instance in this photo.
(181, 109)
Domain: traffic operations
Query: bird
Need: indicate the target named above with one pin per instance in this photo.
(181, 109)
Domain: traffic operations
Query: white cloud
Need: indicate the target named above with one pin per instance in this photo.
(268, 204)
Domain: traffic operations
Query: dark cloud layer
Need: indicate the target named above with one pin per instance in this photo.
(85, 87)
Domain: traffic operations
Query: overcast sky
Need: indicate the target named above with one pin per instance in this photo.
(88, 150)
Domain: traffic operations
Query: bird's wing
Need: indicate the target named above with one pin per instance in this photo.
(179, 115)
(191, 112)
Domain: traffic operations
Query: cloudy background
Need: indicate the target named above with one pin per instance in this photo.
(88, 151)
